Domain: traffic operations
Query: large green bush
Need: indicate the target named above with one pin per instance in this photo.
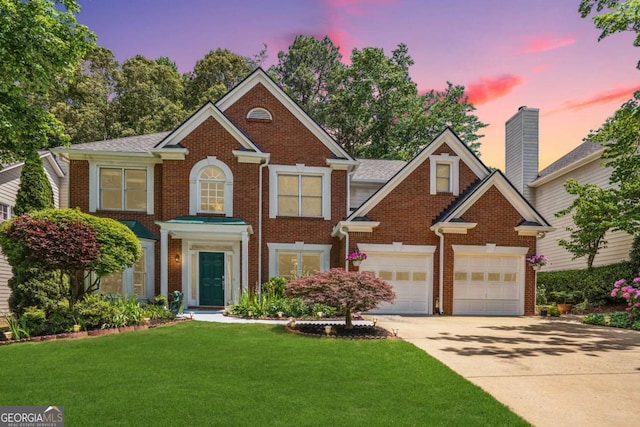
(95, 311)
(36, 288)
(593, 285)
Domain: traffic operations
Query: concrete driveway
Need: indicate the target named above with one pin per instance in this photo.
(551, 372)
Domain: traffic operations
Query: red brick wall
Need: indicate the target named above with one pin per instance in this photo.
(407, 214)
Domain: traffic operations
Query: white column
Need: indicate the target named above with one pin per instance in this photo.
(164, 262)
(245, 261)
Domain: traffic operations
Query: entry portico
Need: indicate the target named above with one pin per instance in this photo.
(214, 256)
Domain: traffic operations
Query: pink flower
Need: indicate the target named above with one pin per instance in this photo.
(619, 283)
(625, 295)
(614, 293)
(638, 305)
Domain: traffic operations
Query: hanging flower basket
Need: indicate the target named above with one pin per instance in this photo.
(356, 257)
(537, 261)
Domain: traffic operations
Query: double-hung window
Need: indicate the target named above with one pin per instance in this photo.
(123, 189)
(299, 195)
(299, 191)
(5, 212)
(444, 174)
(443, 177)
(211, 183)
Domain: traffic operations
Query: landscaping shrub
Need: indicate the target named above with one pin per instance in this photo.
(61, 319)
(274, 287)
(618, 319)
(35, 288)
(95, 311)
(34, 321)
(593, 285)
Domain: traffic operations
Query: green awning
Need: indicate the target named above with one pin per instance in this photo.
(139, 230)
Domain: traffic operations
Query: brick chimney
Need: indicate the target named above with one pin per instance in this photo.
(521, 150)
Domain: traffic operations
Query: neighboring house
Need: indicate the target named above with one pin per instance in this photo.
(251, 187)
(545, 189)
(9, 184)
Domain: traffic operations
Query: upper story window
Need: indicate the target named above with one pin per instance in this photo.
(444, 174)
(211, 187)
(299, 191)
(5, 212)
(123, 189)
(443, 177)
(299, 195)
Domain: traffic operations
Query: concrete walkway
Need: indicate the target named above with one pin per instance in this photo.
(218, 316)
(551, 372)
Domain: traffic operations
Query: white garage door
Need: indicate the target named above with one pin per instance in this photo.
(410, 276)
(488, 285)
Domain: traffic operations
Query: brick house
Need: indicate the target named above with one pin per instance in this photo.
(251, 187)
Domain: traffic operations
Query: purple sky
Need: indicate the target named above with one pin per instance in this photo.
(507, 53)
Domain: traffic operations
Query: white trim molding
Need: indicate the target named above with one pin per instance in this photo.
(396, 248)
(299, 169)
(274, 248)
(454, 227)
(194, 190)
(490, 248)
(454, 174)
(94, 181)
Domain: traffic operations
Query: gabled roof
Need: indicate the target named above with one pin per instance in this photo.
(582, 154)
(44, 155)
(496, 179)
(196, 119)
(259, 76)
(447, 136)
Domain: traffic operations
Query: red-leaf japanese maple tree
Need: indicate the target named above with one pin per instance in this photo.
(348, 291)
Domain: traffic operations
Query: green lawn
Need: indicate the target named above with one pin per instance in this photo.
(208, 374)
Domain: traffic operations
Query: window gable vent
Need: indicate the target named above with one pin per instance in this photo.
(259, 114)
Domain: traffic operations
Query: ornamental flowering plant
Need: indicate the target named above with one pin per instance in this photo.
(537, 260)
(348, 291)
(356, 256)
(630, 292)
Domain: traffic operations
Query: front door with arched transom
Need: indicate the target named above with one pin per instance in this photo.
(211, 278)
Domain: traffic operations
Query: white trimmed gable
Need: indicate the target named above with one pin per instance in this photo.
(260, 77)
(500, 182)
(199, 117)
(447, 137)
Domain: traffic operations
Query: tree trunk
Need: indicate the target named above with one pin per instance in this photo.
(347, 319)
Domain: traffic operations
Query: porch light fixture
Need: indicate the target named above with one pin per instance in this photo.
(177, 258)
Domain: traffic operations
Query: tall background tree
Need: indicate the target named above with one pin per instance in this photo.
(614, 16)
(310, 72)
(214, 75)
(40, 42)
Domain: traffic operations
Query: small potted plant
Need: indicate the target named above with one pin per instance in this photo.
(565, 300)
(356, 257)
(537, 261)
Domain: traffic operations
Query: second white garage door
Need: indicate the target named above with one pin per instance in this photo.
(488, 285)
(411, 278)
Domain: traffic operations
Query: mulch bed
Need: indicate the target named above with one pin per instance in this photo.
(339, 331)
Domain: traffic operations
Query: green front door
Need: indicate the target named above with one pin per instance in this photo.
(211, 278)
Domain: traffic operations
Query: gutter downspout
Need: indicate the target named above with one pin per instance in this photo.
(438, 233)
(260, 184)
(343, 231)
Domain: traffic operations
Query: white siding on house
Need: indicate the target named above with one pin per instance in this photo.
(551, 197)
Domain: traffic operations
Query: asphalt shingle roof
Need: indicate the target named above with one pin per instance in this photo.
(377, 170)
(130, 144)
(580, 152)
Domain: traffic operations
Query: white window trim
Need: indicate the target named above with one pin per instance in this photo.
(300, 169)
(9, 211)
(275, 248)
(194, 190)
(94, 182)
(454, 181)
(127, 273)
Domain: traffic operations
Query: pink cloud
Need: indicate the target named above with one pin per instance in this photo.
(617, 94)
(488, 89)
(547, 42)
(542, 67)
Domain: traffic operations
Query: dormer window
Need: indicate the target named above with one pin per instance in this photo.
(444, 174)
(259, 114)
